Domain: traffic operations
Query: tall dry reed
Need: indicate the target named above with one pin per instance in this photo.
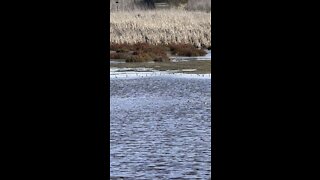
(161, 27)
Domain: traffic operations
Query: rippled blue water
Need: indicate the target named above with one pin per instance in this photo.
(160, 128)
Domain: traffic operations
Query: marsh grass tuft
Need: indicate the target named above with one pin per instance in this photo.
(143, 52)
(186, 50)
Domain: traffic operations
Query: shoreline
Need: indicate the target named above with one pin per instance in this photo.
(161, 59)
(145, 52)
(187, 67)
(150, 73)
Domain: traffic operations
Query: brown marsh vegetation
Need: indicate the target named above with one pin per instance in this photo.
(143, 52)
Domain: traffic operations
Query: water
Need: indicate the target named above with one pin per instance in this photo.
(206, 57)
(160, 128)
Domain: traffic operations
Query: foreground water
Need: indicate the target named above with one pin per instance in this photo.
(160, 128)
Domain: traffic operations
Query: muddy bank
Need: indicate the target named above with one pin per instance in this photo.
(197, 67)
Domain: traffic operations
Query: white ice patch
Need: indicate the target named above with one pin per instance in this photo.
(121, 73)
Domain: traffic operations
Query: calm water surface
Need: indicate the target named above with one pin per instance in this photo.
(160, 128)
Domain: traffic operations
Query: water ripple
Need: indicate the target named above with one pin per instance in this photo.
(160, 128)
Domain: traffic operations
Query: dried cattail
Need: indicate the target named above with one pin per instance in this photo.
(161, 27)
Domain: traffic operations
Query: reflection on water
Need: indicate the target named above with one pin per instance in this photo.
(160, 128)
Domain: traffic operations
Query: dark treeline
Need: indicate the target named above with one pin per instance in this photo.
(126, 5)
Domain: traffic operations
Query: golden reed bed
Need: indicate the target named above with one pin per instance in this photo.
(161, 27)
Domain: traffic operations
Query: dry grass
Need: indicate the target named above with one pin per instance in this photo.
(161, 27)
